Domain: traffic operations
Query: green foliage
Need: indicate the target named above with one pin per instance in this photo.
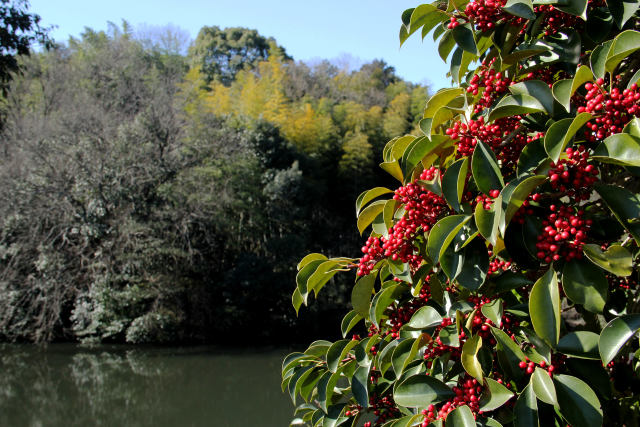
(499, 284)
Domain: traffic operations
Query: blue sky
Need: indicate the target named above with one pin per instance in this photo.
(363, 29)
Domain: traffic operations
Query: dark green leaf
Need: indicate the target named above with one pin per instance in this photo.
(619, 149)
(425, 317)
(337, 352)
(383, 299)
(538, 90)
(578, 404)
(474, 265)
(494, 396)
(361, 293)
(561, 133)
(516, 192)
(359, 386)
(599, 57)
(463, 35)
(453, 182)
(623, 45)
(443, 233)
(544, 307)
(509, 353)
(616, 259)
(581, 344)
(624, 205)
(531, 157)
(543, 386)
(616, 334)
(526, 409)
(521, 8)
(461, 417)
(485, 169)
(421, 391)
(350, 320)
(510, 280)
(515, 105)
(585, 284)
(622, 10)
(447, 42)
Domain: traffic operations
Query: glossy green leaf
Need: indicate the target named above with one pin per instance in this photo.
(532, 156)
(303, 276)
(493, 311)
(488, 221)
(337, 352)
(369, 213)
(624, 205)
(367, 196)
(318, 348)
(311, 257)
(494, 396)
(515, 193)
(474, 265)
(425, 317)
(536, 89)
(544, 307)
(325, 272)
(461, 417)
(563, 90)
(421, 391)
(598, 58)
(510, 280)
(447, 42)
(622, 10)
(525, 410)
(509, 353)
(469, 357)
(383, 299)
(623, 45)
(515, 105)
(361, 294)
(423, 149)
(581, 344)
(619, 149)
(593, 373)
(443, 233)
(485, 169)
(401, 355)
(616, 334)
(350, 320)
(441, 99)
(521, 8)
(574, 7)
(616, 259)
(296, 300)
(561, 133)
(426, 16)
(464, 37)
(543, 386)
(585, 284)
(453, 182)
(578, 403)
(449, 336)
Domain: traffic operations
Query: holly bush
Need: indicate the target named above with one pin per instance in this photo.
(499, 282)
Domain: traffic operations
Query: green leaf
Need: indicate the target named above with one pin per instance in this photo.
(585, 284)
(616, 259)
(463, 35)
(311, 257)
(426, 16)
(370, 213)
(510, 280)
(420, 391)
(402, 355)
(578, 403)
(561, 133)
(367, 196)
(474, 263)
(443, 233)
(544, 308)
(350, 320)
(509, 353)
(624, 205)
(623, 45)
(488, 221)
(525, 410)
(543, 386)
(337, 352)
(441, 99)
(453, 182)
(325, 272)
(425, 148)
(469, 357)
(494, 396)
(303, 276)
(538, 90)
(616, 334)
(574, 7)
(531, 157)
(447, 42)
(521, 8)
(383, 299)
(599, 57)
(515, 193)
(581, 344)
(362, 292)
(485, 169)
(449, 336)
(296, 300)
(619, 149)
(318, 348)
(493, 311)
(563, 90)
(515, 105)
(425, 317)
(622, 10)
(461, 417)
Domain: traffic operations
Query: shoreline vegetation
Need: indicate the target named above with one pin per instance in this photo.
(158, 194)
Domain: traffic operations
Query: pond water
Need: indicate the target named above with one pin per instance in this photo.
(70, 385)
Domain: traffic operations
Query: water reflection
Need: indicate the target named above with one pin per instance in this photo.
(66, 385)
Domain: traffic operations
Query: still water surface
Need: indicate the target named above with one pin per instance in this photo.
(69, 385)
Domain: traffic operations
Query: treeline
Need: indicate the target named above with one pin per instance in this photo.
(150, 195)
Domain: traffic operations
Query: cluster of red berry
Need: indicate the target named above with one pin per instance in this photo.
(495, 83)
(612, 109)
(486, 13)
(383, 407)
(556, 362)
(563, 234)
(574, 175)
(436, 348)
(401, 314)
(467, 392)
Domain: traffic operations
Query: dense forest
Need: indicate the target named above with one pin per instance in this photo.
(154, 193)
